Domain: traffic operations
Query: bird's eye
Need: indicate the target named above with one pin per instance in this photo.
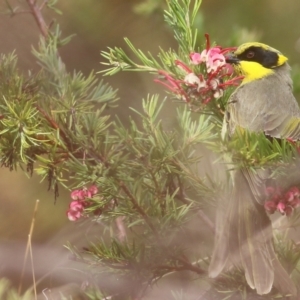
(250, 54)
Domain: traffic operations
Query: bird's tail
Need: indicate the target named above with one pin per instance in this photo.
(244, 238)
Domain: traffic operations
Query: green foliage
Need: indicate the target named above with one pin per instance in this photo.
(255, 150)
(148, 7)
(8, 293)
(246, 149)
(181, 18)
(56, 121)
(148, 175)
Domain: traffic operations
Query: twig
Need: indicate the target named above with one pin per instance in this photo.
(36, 11)
(44, 293)
(137, 207)
(32, 267)
(54, 125)
(172, 269)
(12, 14)
(43, 4)
(191, 267)
(207, 220)
(28, 244)
(202, 215)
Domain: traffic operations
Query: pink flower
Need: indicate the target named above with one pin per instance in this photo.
(76, 205)
(74, 194)
(270, 206)
(295, 191)
(295, 203)
(93, 189)
(87, 194)
(288, 210)
(214, 83)
(195, 58)
(218, 93)
(200, 88)
(283, 202)
(73, 215)
(214, 59)
(78, 195)
(281, 207)
(192, 79)
(229, 70)
(75, 210)
(289, 196)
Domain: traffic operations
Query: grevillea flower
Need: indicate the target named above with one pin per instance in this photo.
(192, 79)
(283, 202)
(196, 58)
(213, 58)
(79, 197)
(75, 210)
(75, 195)
(200, 88)
(93, 189)
(270, 206)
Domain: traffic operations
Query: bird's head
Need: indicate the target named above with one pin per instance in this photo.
(256, 60)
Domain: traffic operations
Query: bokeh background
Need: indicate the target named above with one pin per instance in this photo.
(99, 24)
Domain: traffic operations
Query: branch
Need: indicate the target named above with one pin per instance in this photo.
(189, 266)
(36, 11)
(138, 208)
(201, 214)
(206, 220)
(43, 4)
(20, 12)
(184, 267)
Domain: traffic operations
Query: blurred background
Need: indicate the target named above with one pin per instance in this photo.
(98, 24)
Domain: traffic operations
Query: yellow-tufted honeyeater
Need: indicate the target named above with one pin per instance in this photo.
(264, 102)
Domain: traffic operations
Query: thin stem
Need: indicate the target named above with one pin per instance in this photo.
(206, 220)
(36, 11)
(202, 215)
(138, 207)
(12, 14)
(32, 267)
(28, 244)
(190, 266)
(43, 4)
(54, 125)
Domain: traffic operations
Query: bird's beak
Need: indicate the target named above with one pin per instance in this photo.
(232, 59)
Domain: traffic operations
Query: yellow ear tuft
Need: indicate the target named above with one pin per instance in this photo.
(281, 59)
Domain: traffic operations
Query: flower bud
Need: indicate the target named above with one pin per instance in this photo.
(93, 189)
(195, 58)
(270, 206)
(281, 207)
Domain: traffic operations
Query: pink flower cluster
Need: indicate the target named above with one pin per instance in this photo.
(213, 58)
(80, 202)
(283, 202)
(204, 86)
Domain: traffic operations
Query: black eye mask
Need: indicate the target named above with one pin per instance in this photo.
(266, 58)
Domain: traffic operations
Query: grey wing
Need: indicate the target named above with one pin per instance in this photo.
(257, 182)
(267, 105)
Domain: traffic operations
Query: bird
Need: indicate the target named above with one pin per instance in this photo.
(262, 103)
